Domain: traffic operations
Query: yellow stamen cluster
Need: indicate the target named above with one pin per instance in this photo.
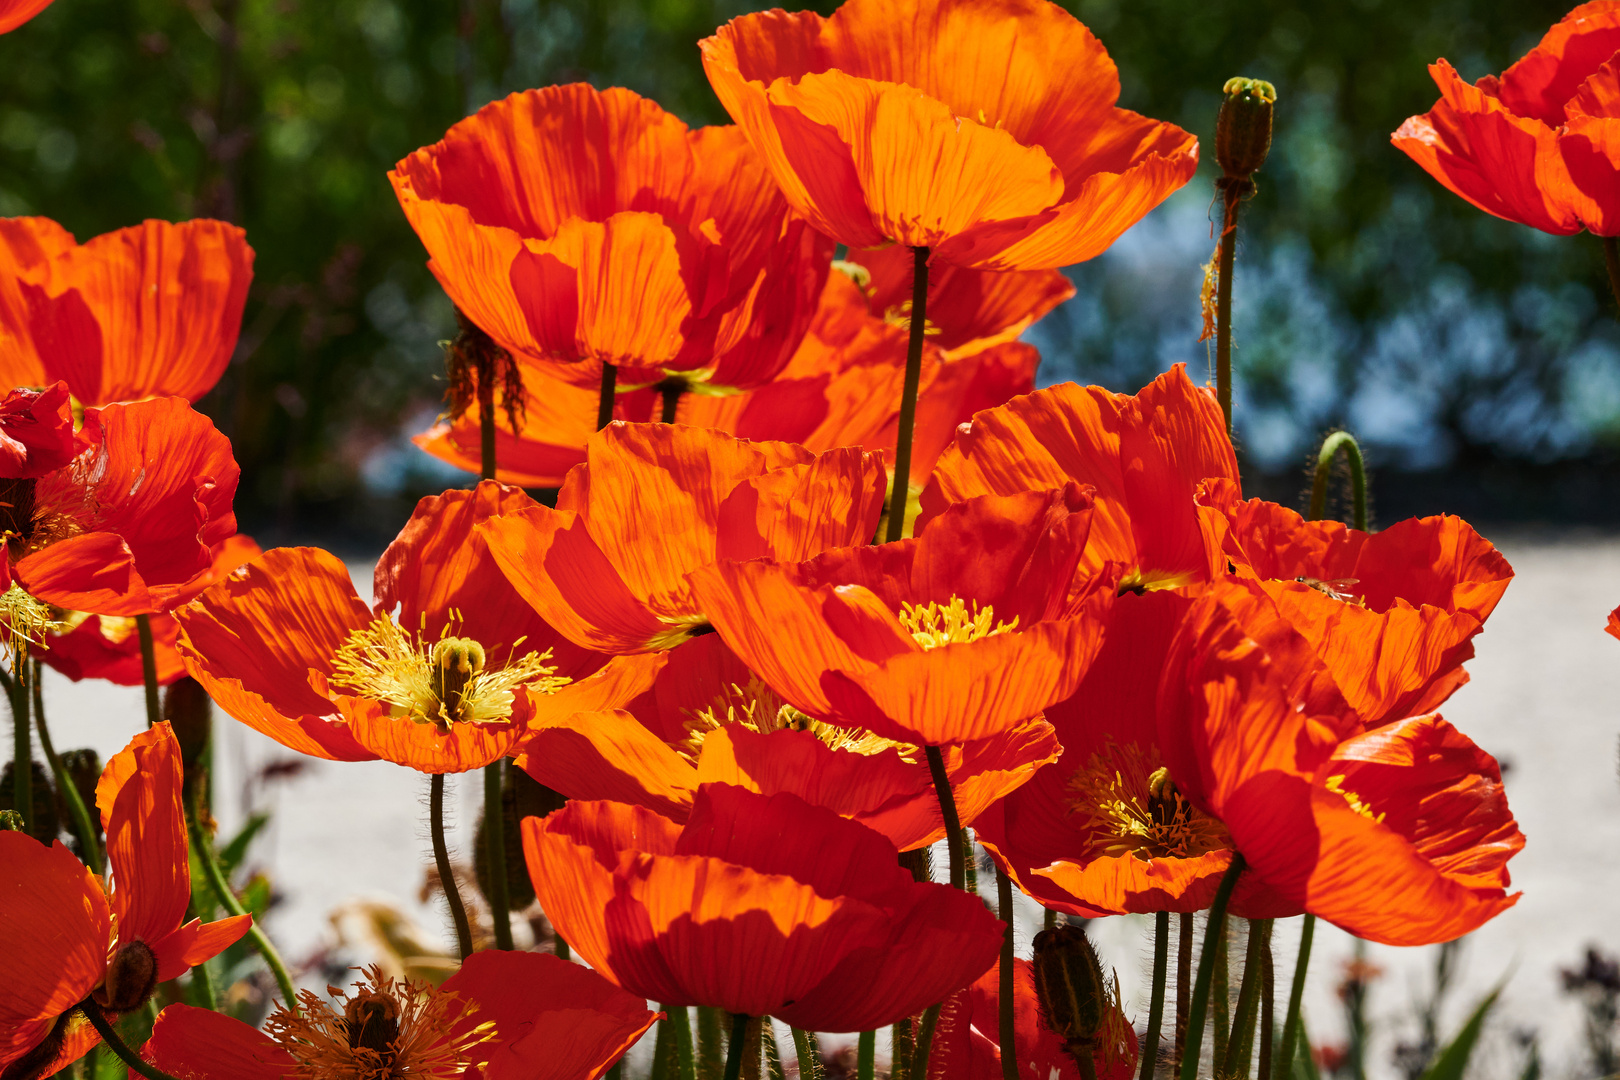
(900, 315)
(388, 1030)
(441, 682)
(1130, 806)
(24, 621)
(676, 631)
(757, 707)
(953, 623)
(1335, 784)
(1141, 581)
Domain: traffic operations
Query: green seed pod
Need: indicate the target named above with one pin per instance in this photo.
(1069, 984)
(1243, 130)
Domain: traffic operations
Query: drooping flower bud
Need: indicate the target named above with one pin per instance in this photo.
(1070, 986)
(131, 977)
(1243, 130)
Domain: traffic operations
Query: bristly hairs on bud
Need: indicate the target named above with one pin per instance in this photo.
(1078, 1002)
(471, 358)
(1243, 131)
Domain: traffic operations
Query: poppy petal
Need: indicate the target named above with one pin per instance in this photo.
(196, 942)
(188, 1041)
(609, 756)
(139, 799)
(55, 928)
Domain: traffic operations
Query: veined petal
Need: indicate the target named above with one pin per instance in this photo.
(196, 942)
(55, 929)
(139, 800)
(609, 756)
(1548, 76)
(187, 1041)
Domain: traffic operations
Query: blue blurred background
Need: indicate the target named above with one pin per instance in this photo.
(1478, 360)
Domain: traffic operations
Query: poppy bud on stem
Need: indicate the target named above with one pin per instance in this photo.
(1340, 440)
(1242, 140)
(1073, 993)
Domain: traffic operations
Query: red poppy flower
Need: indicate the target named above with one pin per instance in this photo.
(13, 13)
(760, 905)
(502, 1016)
(148, 311)
(654, 502)
(85, 646)
(966, 631)
(1540, 144)
(63, 939)
(118, 517)
(572, 224)
(1399, 834)
(1393, 614)
(1104, 830)
(1144, 454)
(904, 123)
(967, 1041)
(708, 719)
(1614, 623)
(286, 645)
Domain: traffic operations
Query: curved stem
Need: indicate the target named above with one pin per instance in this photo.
(22, 755)
(1184, 947)
(1283, 1067)
(947, 809)
(925, 1042)
(604, 400)
(116, 1044)
(83, 827)
(500, 903)
(899, 494)
(1223, 304)
(441, 859)
(734, 1052)
(1007, 1022)
(1161, 974)
(1240, 1051)
(143, 627)
(866, 1055)
(670, 393)
(226, 897)
(1206, 969)
(809, 1054)
(1340, 440)
(1611, 259)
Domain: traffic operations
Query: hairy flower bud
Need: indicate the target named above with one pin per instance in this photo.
(1070, 986)
(1243, 130)
(188, 709)
(131, 977)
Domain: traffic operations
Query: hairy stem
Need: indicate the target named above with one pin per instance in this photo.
(866, 1055)
(500, 903)
(1184, 950)
(1161, 973)
(1240, 1051)
(899, 494)
(1340, 440)
(1007, 1021)
(143, 627)
(1283, 1067)
(808, 1053)
(441, 859)
(116, 1044)
(734, 1052)
(1213, 942)
(1223, 304)
(83, 827)
(947, 809)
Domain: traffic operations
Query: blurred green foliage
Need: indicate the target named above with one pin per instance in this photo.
(285, 115)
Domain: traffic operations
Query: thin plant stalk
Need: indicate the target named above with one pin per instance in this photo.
(202, 983)
(1007, 1021)
(680, 1026)
(806, 1049)
(441, 859)
(661, 1049)
(1184, 951)
(710, 1042)
(1232, 200)
(925, 1041)
(1283, 1066)
(604, 400)
(226, 897)
(1213, 941)
(866, 1055)
(500, 905)
(899, 495)
(115, 1043)
(947, 809)
(1268, 1008)
(1240, 1050)
(1161, 973)
(154, 710)
(1331, 446)
(773, 1053)
(1220, 997)
(22, 756)
(901, 1045)
(734, 1052)
(83, 827)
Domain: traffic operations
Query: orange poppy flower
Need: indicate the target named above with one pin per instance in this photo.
(1145, 454)
(115, 518)
(760, 905)
(502, 1016)
(286, 646)
(572, 224)
(1613, 626)
(1393, 614)
(148, 311)
(13, 13)
(85, 646)
(903, 123)
(966, 631)
(652, 503)
(1540, 144)
(63, 939)
(1104, 830)
(967, 1042)
(708, 719)
(1399, 834)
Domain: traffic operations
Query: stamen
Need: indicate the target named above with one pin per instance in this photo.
(1141, 581)
(678, 630)
(25, 621)
(757, 707)
(1130, 807)
(442, 683)
(1335, 784)
(953, 623)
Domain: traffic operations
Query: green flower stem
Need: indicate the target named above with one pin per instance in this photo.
(1161, 973)
(947, 809)
(500, 903)
(899, 495)
(143, 627)
(1240, 1051)
(1220, 998)
(1223, 303)
(1184, 948)
(83, 827)
(773, 1053)
(604, 400)
(711, 1042)
(1283, 1067)
(808, 1053)
(116, 1044)
(1007, 1022)
(734, 1052)
(1268, 1007)
(1213, 942)
(202, 982)
(441, 859)
(661, 1051)
(866, 1055)
(680, 1025)
(227, 900)
(925, 1042)
(1340, 440)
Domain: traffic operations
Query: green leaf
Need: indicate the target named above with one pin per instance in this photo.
(231, 855)
(1453, 1060)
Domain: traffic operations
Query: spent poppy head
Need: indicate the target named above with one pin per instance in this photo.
(446, 683)
(969, 629)
(1539, 144)
(761, 905)
(572, 224)
(858, 116)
